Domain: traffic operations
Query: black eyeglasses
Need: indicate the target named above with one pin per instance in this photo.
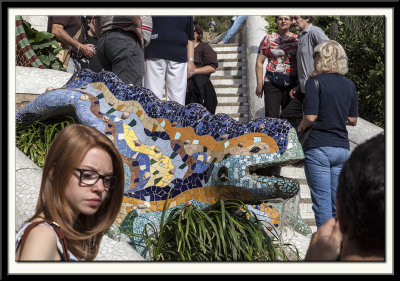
(90, 178)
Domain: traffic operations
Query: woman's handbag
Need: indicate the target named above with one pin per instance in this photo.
(304, 136)
(281, 80)
(56, 228)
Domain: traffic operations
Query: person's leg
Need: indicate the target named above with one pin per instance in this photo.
(123, 52)
(293, 112)
(101, 52)
(154, 78)
(272, 100)
(318, 175)
(176, 81)
(285, 100)
(232, 30)
(338, 156)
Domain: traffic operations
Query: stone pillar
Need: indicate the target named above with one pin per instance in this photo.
(256, 29)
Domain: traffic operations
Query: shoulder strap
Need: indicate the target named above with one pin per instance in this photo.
(56, 228)
(78, 33)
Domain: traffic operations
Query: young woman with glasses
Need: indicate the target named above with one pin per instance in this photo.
(80, 197)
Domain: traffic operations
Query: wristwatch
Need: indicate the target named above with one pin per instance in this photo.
(191, 59)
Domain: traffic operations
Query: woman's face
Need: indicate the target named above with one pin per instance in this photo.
(83, 198)
(283, 22)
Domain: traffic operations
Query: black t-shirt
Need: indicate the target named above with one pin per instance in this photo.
(169, 38)
(336, 102)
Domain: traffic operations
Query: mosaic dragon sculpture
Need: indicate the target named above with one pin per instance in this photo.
(200, 157)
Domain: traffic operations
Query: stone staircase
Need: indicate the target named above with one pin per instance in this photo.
(229, 81)
(230, 84)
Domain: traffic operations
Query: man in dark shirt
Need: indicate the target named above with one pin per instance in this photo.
(170, 57)
(69, 31)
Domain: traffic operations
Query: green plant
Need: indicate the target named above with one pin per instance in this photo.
(34, 139)
(224, 231)
(44, 45)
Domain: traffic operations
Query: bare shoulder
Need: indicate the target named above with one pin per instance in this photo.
(40, 244)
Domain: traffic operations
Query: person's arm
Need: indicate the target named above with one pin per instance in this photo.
(40, 245)
(306, 122)
(325, 243)
(208, 60)
(259, 74)
(190, 55)
(63, 36)
(352, 121)
(206, 70)
(136, 27)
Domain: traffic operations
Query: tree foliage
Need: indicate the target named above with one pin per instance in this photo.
(222, 22)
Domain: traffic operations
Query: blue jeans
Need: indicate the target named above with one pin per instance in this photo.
(232, 30)
(322, 167)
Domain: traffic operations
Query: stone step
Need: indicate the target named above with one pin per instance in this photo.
(228, 47)
(230, 71)
(227, 98)
(229, 55)
(228, 81)
(232, 107)
(293, 172)
(230, 89)
(231, 63)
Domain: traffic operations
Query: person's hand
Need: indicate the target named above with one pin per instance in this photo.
(294, 91)
(136, 29)
(86, 50)
(259, 91)
(325, 243)
(190, 69)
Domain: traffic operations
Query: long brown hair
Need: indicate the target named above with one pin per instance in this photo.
(66, 153)
(199, 31)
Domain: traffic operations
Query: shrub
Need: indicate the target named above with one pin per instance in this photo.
(224, 231)
(44, 45)
(34, 139)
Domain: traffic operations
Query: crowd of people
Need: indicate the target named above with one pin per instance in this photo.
(304, 83)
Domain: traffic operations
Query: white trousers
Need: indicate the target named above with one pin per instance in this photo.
(171, 74)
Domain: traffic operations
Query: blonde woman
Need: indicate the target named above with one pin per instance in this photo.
(80, 196)
(328, 110)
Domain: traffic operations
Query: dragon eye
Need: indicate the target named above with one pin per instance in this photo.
(255, 149)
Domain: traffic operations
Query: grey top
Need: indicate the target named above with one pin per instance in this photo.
(308, 40)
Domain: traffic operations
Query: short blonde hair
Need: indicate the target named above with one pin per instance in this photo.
(332, 58)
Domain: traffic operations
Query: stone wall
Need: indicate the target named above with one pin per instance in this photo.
(38, 22)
